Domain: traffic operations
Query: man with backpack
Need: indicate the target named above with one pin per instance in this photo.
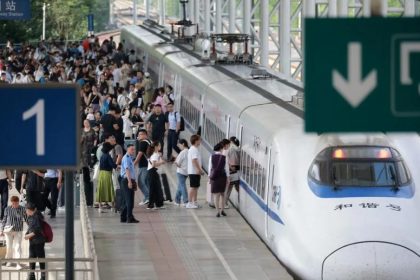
(173, 127)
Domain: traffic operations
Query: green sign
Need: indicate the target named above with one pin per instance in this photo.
(362, 75)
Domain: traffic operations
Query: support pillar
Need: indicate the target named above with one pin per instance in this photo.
(366, 8)
(207, 28)
(409, 8)
(162, 12)
(197, 11)
(219, 16)
(232, 16)
(246, 23)
(147, 5)
(285, 52)
(332, 8)
(134, 12)
(343, 8)
(264, 25)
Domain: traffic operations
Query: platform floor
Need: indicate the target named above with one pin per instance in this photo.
(52, 250)
(178, 243)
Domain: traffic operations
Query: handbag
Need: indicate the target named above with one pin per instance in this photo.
(7, 229)
(115, 182)
(133, 184)
(96, 172)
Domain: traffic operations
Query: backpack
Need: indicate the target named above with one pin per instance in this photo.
(47, 232)
(182, 124)
(182, 121)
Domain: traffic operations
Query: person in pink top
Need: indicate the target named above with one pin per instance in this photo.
(158, 98)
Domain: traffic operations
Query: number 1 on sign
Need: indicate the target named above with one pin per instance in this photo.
(38, 110)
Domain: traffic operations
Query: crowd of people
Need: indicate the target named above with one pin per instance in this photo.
(126, 124)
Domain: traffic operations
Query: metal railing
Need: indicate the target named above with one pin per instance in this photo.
(87, 234)
(84, 268)
(54, 269)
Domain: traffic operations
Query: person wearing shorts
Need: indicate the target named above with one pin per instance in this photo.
(195, 171)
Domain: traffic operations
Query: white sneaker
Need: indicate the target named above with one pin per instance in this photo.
(177, 204)
(191, 206)
(196, 204)
(143, 202)
(227, 206)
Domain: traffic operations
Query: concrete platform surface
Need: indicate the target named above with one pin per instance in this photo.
(179, 243)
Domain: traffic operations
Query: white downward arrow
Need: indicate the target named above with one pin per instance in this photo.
(354, 89)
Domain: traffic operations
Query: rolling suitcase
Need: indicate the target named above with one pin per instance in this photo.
(166, 187)
(118, 200)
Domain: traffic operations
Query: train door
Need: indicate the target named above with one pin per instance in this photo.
(161, 74)
(227, 126)
(273, 195)
(270, 172)
(178, 92)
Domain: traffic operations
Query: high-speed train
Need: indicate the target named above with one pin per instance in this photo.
(329, 206)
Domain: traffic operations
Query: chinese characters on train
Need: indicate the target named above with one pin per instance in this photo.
(367, 205)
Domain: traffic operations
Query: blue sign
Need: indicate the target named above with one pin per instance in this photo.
(39, 126)
(90, 22)
(15, 9)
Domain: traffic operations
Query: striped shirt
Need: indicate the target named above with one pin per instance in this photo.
(14, 217)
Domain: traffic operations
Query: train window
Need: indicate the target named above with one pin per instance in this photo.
(319, 171)
(251, 173)
(190, 113)
(263, 180)
(371, 174)
(403, 173)
(212, 134)
(243, 162)
(248, 169)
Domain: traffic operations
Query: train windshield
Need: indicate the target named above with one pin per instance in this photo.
(369, 174)
(360, 166)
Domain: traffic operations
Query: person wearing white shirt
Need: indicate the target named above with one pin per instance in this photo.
(127, 125)
(155, 160)
(182, 173)
(195, 171)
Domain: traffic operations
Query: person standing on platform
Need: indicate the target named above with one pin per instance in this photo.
(18, 181)
(89, 141)
(182, 173)
(195, 171)
(172, 125)
(105, 190)
(234, 154)
(36, 238)
(33, 180)
(156, 123)
(155, 160)
(53, 182)
(109, 123)
(5, 185)
(12, 229)
(143, 144)
(218, 175)
(128, 185)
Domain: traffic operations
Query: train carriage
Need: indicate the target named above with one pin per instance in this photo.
(330, 206)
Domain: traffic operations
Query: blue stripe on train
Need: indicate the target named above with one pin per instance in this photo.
(324, 191)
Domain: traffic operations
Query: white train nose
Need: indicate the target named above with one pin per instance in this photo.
(372, 260)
